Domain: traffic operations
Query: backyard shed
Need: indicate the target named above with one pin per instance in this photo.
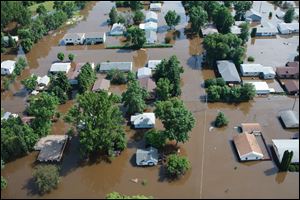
(290, 118)
(281, 145)
(209, 29)
(117, 29)
(147, 157)
(144, 120)
(144, 72)
(7, 67)
(251, 128)
(149, 26)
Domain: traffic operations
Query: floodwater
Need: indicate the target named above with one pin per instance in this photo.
(215, 172)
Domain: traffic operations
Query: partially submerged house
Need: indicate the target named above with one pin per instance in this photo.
(153, 63)
(253, 16)
(287, 72)
(261, 87)
(151, 17)
(155, 6)
(74, 38)
(51, 147)
(43, 82)
(144, 72)
(149, 85)
(291, 86)
(288, 28)
(266, 29)
(117, 29)
(101, 84)
(292, 64)
(60, 67)
(257, 70)
(228, 71)
(147, 157)
(72, 75)
(95, 38)
(122, 66)
(144, 120)
(149, 26)
(151, 37)
(247, 147)
(7, 67)
(290, 118)
(281, 145)
(209, 29)
(251, 128)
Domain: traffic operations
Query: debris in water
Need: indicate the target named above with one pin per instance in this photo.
(235, 167)
(211, 128)
(135, 180)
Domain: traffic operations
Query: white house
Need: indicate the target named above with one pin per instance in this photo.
(151, 37)
(145, 120)
(290, 118)
(288, 28)
(43, 82)
(247, 147)
(144, 72)
(60, 67)
(253, 16)
(266, 29)
(257, 70)
(153, 63)
(74, 38)
(151, 17)
(281, 145)
(260, 87)
(123, 66)
(7, 67)
(149, 26)
(155, 6)
(117, 29)
(268, 73)
(235, 30)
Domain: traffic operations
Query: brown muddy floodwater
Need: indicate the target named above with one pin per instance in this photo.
(215, 172)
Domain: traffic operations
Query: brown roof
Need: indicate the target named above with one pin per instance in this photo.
(101, 84)
(147, 83)
(73, 73)
(251, 127)
(246, 143)
(292, 64)
(291, 85)
(27, 119)
(287, 70)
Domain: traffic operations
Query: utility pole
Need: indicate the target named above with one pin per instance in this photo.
(260, 7)
(294, 101)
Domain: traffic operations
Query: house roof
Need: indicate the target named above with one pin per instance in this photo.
(246, 143)
(251, 67)
(155, 5)
(60, 67)
(291, 85)
(146, 154)
(251, 12)
(259, 85)
(288, 26)
(74, 73)
(251, 127)
(290, 118)
(281, 145)
(151, 15)
(148, 25)
(144, 72)
(43, 80)
(268, 70)
(101, 84)
(117, 27)
(235, 29)
(287, 70)
(209, 29)
(151, 36)
(152, 63)
(292, 64)
(144, 118)
(147, 83)
(228, 71)
(73, 36)
(8, 64)
(124, 66)
(266, 27)
(94, 35)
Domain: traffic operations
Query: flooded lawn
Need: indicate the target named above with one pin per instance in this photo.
(215, 172)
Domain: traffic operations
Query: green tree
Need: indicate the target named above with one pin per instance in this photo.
(121, 19)
(20, 66)
(289, 15)
(71, 57)
(220, 81)
(60, 87)
(61, 56)
(58, 5)
(178, 121)
(171, 70)
(164, 89)
(116, 195)
(30, 83)
(41, 10)
(46, 177)
(223, 19)
(86, 78)
(26, 45)
(38, 29)
(69, 8)
(135, 5)
(116, 76)
(136, 36)
(286, 160)
(81, 4)
(198, 17)
(245, 27)
(177, 165)
(247, 91)
(138, 17)
(213, 93)
(241, 7)
(155, 138)
(253, 32)
(113, 16)
(210, 7)
(6, 83)
(11, 42)
(210, 82)
(228, 3)
(99, 123)
(221, 120)
(134, 98)
(3, 180)
(172, 18)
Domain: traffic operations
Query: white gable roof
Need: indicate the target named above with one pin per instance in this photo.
(151, 15)
(152, 63)
(60, 67)
(144, 72)
(8, 64)
(155, 6)
(145, 118)
(43, 80)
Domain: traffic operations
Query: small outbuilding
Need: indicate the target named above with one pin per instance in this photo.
(147, 157)
(153, 63)
(101, 84)
(151, 17)
(251, 128)
(228, 71)
(149, 26)
(281, 145)
(209, 29)
(144, 72)
(261, 87)
(144, 120)
(7, 67)
(290, 118)
(117, 29)
(149, 85)
(155, 6)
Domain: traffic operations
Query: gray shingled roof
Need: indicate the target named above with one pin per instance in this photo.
(290, 118)
(228, 71)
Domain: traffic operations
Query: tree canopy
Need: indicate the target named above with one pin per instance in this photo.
(164, 89)
(289, 15)
(46, 177)
(221, 120)
(60, 87)
(241, 7)
(136, 37)
(99, 123)
(223, 19)
(155, 138)
(172, 18)
(177, 165)
(245, 27)
(30, 83)
(86, 78)
(198, 17)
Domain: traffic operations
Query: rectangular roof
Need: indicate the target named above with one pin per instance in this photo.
(8, 64)
(94, 35)
(228, 71)
(251, 67)
(146, 154)
(246, 143)
(147, 83)
(251, 127)
(290, 118)
(144, 118)
(292, 64)
(73, 36)
(123, 66)
(151, 35)
(60, 67)
(281, 145)
(291, 85)
(101, 84)
(152, 63)
(259, 85)
(287, 70)
(151, 15)
(266, 28)
(144, 72)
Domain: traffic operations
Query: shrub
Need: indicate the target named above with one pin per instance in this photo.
(210, 82)
(46, 177)
(155, 138)
(253, 32)
(167, 39)
(61, 56)
(116, 76)
(221, 120)
(177, 165)
(251, 59)
(71, 57)
(292, 168)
